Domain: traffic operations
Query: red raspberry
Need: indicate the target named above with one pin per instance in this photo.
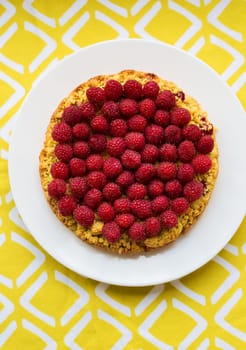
(66, 205)
(111, 110)
(147, 108)
(93, 198)
(159, 204)
(111, 191)
(81, 131)
(165, 100)
(136, 191)
(116, 146)
(98, 142)
(125, 179)
(150, 153)
(168, 152)
(112, 167)
(111, 232)
(94, 162)
(84, 215)
(71, 115)
(131, 159)
(179, 205)
(105, 212)
(134, 141)
(137, 123)
(152, 226)
(193, 190)
(180, 116)
(141, 208)
(87, 110)
(118, 128)
(172, 134)
(185, 173)
(57, 188)
(162, 117)
(99, 124)
(95, 95)
(62, 133)
(145, 173)
(122, 205)
(77, 167)
(128, 107)
(133, 89)
(124, 220)
(168, 219)
(113, 90)
(154, 134)
(205, 145)
(201, 164)
(78, 186)
(166, 171)
(96, 179)
(191, 132)
(186, 151)
(81, 149)
(63, 152)
(59, 170)
(151, 89)
(173, 188)
(155, 188)
(137, 232)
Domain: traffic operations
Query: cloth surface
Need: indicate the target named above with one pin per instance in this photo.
(44, 305)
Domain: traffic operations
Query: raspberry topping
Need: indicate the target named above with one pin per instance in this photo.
(112, 167)
(137, 123)
(57, 188)
(162, 117)
(71, 115)
(141, 208)
(95, 95)
(98, 142)
(62, 133)
(150, 153)
(78, 186)
(133, 89)
(125, 179)
(111, 192)
(128, 107)
(193, 190)
(152, 227)
(64, 152)
(135, 141)
(96, 179)
(93, 198)
(131, 159)
(99, 124)
(84, 215)
(145, 172)
(113, 90)
(136, 191)
(87, 110)
(106, 212)
(186, 151)
(180, 116)
(151, 89)
(179, 205)
(116, 146)
(159, 204)
(122, 205)
(154, 134)
(205, 145)
(111, 110)
(118, 128)
(59, 170)
(137, 232)
(165, 100)
(94, 162)
(147, 108)
(66, 205)
(168, 219)
(111, 232)
(81, 131)
(77, 167)
(81, 149)
(168, 152)
(125, 220)
(201, 164)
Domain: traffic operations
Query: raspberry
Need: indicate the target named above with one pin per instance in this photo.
(136, 191)
(111, 109)
(77, 167)
(81, 149)
(162, 117)
(111, 232)
(180, 116)
(62, 133)
(150, 153)
(168, 152)
(99, 124)
(66, 205)
(96, 179)
(78, 186)
(133, 89)
(193, 190)
(111, 191)
(81, 131)
(113, 90)
(201, 164)
(147, 108)
(135, 141)
(168, 219)
(98, 142)
(145, 173)
(137, 123)
(141, 208)
(185, 173)
(172, 134)
(205, 145)
(118, 127)
(93, 198)
(59, 170)
(124, 220)
(84, 215)
(116, 146)
(159, 204)
(112, 167)
(131, 159)
(63, 152)
(173, 188)
(152, 226)
(87, 110)
(191, 132)
(165, 100)
(71, 115)
(179, 205)
(122, 205)
(95, 95)
(166, 171)
(94, 162)
(155, 188)
(186, 151)
(128, 107)
(137, 232)
(125, 179)
(154, 134)
(105, 212)
(57, 188)
(151, 89)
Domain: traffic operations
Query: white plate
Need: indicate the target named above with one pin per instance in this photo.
(225, 210)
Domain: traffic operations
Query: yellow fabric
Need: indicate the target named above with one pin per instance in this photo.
(43, 305)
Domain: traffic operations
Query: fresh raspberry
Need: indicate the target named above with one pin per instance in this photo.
(201, 164)
(159, 204)
(155, 188)
(81, 131)
(205, 145)
(111, 232)
(172, 134)
(152, 226)
(136, 191)
(162, 117)
(151, 89)
(94, 162)
(81, 149)
(84, 215)
(193, 190)
(99, 124)
(78, 186)
(166, 171)
(173, 188)
(128, 107)
(63, 152)
(112, 167)
(133, 89)
(179, 205)
(168, 152)
(66, 205)
(77, 167)
(180, 116)
(59, 170)
(185, 173)
(111, 110)
(124, 220)
(191, 132)
(145, 173)
(116, 146)
(57, 188)
(165, 100)
(141, 208)
(122, 205)
(113, 90)
(186, 151)
(147, 108)
(150, 153)
(118, 127)
(137, 231)
(71, 115)
(95, 95)
(134, 140)
(106, 212)
(125, 179)
(111, 191)
(131, 159)
(154, 134)
(93, 198)
(62, 132)
(87, 110)
(168, 219)
(137, 123)
(98, 142)
(96, 179)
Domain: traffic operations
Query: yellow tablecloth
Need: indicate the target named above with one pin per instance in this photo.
(43, 305)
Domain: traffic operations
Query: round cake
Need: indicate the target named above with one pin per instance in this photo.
(129, 161)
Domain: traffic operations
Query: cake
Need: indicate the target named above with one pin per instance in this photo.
(129, 161)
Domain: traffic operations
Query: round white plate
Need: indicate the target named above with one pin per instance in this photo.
(225, 210)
